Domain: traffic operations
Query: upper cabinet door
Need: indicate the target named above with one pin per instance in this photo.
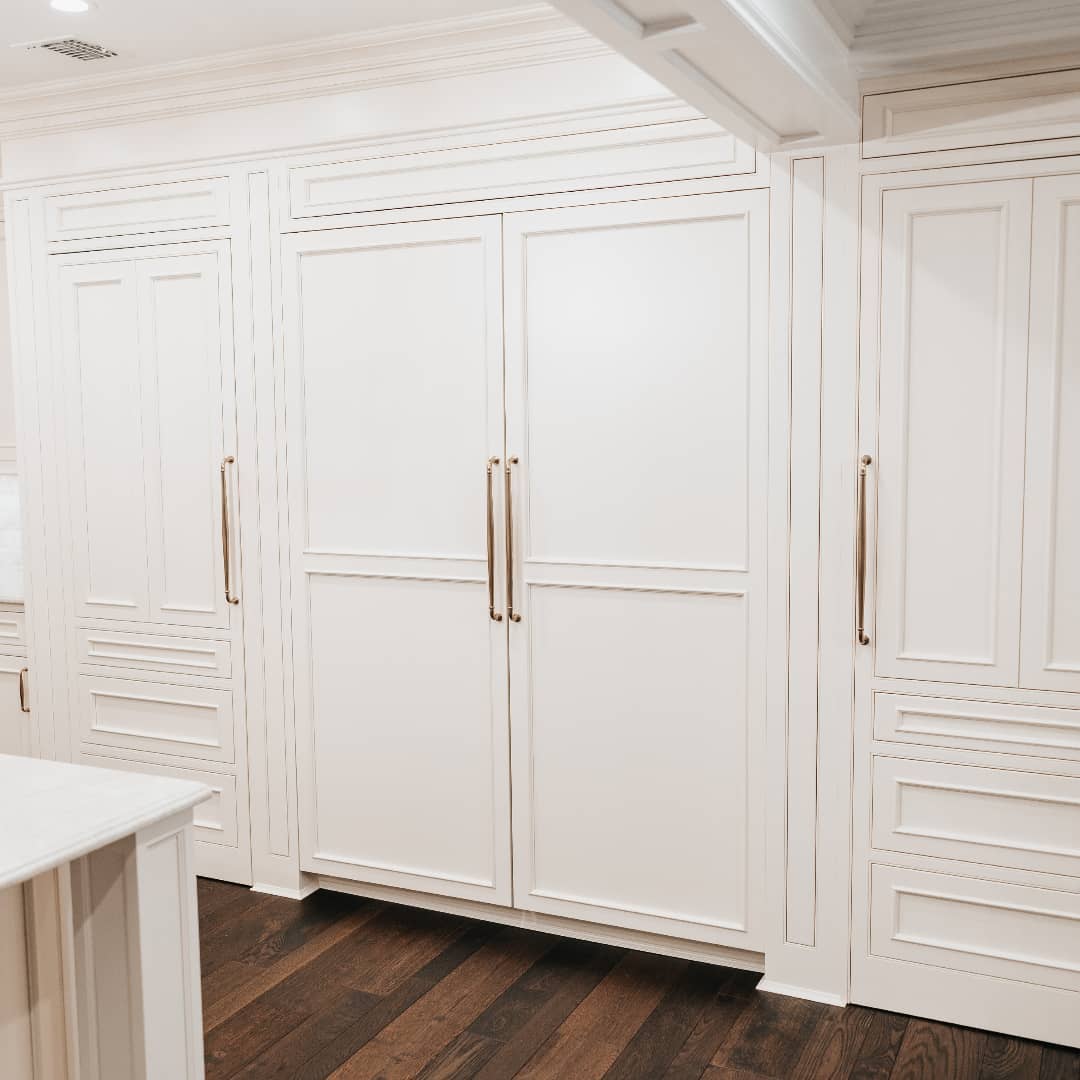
(637, 371)
(147, 376)
(394, 381)
(949, 466)
(1050, 654)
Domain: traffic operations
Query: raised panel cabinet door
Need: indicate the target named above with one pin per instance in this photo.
(394, 384)
(949, 464)
(637, 371)
(149, 416)
(1050, 639)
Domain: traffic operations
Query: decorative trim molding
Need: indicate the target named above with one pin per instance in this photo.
(404, 54)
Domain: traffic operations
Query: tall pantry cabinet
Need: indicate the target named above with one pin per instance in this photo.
(527, 493)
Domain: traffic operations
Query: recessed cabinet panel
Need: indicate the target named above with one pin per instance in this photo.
(638, 741)
(192, 656)
(1050, 657)
(183, 359)
(1004, 817)
(395, 351)
(949, 468)
(102, 389)
(186, 721)
(637, 356)
(409, 736)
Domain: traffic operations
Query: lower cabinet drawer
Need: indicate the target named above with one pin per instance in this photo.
(1003, 817)
(12, 627)
(147, 652)
(983, 927)
(183, 721)
(215, 818)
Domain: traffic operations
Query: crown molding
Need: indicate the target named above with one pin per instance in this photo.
(420, 52)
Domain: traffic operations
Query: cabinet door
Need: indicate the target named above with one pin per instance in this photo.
(147, 383)
(637, 370)
(394, 406)
(949, 465)
(1050, 654)
(14, 728)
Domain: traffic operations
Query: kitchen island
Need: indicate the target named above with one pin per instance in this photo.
(98, 924)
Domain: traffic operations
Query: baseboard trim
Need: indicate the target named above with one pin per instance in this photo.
(289, 894)
(720, 955)
(806, 993)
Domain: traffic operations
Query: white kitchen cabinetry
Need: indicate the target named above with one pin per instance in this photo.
(636, 431)
(144, 438)
(967, 826)
(612, 543)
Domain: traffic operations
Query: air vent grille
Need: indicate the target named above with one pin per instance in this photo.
(74, 48)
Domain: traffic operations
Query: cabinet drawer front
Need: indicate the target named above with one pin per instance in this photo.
(1023, 820)
(12, 629)
(149, 208)
(983, 927)
(978, 725)
(681, 150)
(215, 817)
(192, 656)
(187, 721)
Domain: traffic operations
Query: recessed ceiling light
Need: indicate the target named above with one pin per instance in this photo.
(71, 7)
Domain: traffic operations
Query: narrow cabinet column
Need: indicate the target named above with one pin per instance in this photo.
(637, 362)
(395, 388)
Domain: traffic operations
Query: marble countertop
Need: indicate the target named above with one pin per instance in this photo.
(52, 812)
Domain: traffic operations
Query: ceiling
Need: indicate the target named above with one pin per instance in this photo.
(152, 32)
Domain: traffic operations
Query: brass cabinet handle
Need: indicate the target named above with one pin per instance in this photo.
(513, 615)
(495, 615)
(225, 553)
(860, 555)
(23, 707)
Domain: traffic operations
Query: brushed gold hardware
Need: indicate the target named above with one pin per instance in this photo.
(860, 555)
(495, 615)
(23, 707)
(511, 614)
(225, 554)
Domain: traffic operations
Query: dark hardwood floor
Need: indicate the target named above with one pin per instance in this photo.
(343, 987)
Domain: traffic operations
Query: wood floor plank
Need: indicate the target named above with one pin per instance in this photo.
(230, 938)
(833, 1049)
(877, 1055)
(771, 1035)
(236, 1042)
(587, 1043)
(1059, 1064)
(403, 1048)
(219, 1007)
(525, 1017)
(714, 1026)
(931, 1051)
(655, 1044)
(1004, 1058)
(462, 1057)
(336, 1053)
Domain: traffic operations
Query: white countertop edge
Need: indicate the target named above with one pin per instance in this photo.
(176, 796)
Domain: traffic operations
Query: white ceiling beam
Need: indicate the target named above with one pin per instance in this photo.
(773, 72)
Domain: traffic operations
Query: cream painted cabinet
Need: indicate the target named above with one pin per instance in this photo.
(395, 391)
(1050, 652)
(571, 562)
(143, 443)
(14, 726)
(966, 888)
(146, 370)
(636, 428)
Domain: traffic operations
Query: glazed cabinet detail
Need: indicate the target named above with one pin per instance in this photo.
(527, 501)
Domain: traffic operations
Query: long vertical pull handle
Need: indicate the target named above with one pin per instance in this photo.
(512, 615)
(23, 706)
(860, 555)
(226, 554)
(495, 615)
